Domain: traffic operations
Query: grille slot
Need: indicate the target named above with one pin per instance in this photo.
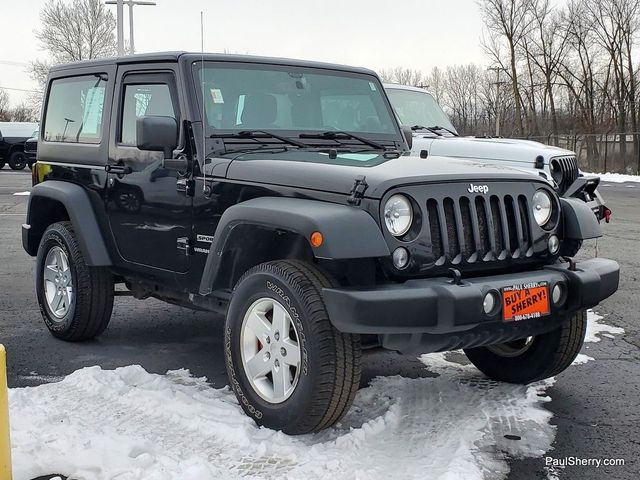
(569, 168)
(479, 229)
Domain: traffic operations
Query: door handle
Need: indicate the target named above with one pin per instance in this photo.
(186, 186)
(118, 169)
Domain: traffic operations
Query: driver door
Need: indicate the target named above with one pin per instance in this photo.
(149, 213)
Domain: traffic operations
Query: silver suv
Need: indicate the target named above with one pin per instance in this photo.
(434, 134)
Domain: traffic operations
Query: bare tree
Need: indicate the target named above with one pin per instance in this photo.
(22, 113)
(5, 114)
(79, 30)
(73, 31)
(401, 75)
(548, 44)
(508, 21)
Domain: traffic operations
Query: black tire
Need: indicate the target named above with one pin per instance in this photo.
(17, 161)
(2, 163)
(570, 247)
(90, 308)
(330, 360)
(546, 355)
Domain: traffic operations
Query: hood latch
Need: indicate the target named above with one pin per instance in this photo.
(357, 191)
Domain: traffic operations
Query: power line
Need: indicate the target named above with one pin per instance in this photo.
(21, 90)
(14, 64)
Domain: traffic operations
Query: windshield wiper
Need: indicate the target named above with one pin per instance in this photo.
(338, 135)
(435, 129)
(262, 148)
(257, 134)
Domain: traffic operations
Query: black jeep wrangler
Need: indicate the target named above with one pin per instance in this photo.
(281, 193)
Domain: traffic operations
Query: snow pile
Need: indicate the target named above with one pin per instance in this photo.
(129, 424)
(616, 177)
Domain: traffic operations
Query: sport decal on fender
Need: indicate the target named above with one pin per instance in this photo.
(525, 301)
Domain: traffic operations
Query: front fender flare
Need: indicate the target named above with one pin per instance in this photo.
(579, 221)
(348, 232)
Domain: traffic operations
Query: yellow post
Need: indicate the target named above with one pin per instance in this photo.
(5, 442)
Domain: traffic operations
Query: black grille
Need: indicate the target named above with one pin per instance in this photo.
(569, 168)
(481, 229)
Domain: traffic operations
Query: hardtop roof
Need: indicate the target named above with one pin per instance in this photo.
(216, 57)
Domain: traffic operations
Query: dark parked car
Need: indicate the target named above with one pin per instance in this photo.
(12, 138)
(282, 194)
(31, 149)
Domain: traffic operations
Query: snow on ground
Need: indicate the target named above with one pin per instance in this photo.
(597, 329)
(127, 424)
(616, 177)
(21, 194)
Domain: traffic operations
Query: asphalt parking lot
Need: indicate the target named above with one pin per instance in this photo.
(596, 406)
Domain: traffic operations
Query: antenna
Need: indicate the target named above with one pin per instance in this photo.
(204, 141)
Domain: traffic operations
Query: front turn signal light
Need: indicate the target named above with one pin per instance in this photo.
(316, 239)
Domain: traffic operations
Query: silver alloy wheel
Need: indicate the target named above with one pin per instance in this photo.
(514, 348)
(270, 350)
(58, 284)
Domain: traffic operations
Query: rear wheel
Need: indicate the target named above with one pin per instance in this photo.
(17, 161)
(533, 358)
(290, 369)
(75, 300)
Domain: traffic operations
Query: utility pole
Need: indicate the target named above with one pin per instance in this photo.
(497, 83)
(120, 5)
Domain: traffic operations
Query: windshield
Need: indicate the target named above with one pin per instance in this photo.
(418, 108)
(292, 100)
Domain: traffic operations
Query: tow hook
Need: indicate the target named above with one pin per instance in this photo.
(572, 263)
(607, 214)
(456, 276)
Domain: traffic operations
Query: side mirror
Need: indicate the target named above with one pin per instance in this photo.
(160, 134)
(408, 136)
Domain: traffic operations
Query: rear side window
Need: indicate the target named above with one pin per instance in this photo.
(75, 110)
(142, 100)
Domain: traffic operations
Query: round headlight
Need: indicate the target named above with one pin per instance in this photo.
(556, 171)
(398, 215)
(542, 206)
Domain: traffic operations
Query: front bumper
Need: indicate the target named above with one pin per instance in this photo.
(434, 314)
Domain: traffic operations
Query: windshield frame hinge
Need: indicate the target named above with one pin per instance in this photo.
(360, 186)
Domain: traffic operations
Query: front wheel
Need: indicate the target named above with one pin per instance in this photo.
(75, 299)
(533, 358)
(17, 161)
(290, 369)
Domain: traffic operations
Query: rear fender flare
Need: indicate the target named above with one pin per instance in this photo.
(78, 205)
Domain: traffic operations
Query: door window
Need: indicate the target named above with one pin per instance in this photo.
(141, 100)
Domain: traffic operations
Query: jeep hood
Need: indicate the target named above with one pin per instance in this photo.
(315, 171)
(491, 149)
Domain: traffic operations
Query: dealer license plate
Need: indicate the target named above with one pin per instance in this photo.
(525, 301)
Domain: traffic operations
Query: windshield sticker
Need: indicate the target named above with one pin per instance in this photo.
(216, 95)
(372, 86)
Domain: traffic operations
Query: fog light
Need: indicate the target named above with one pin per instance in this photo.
(400, 258)
(558, 294)
(490, 302)
(554, 244)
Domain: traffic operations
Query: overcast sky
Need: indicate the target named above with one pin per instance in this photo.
(370, 33)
